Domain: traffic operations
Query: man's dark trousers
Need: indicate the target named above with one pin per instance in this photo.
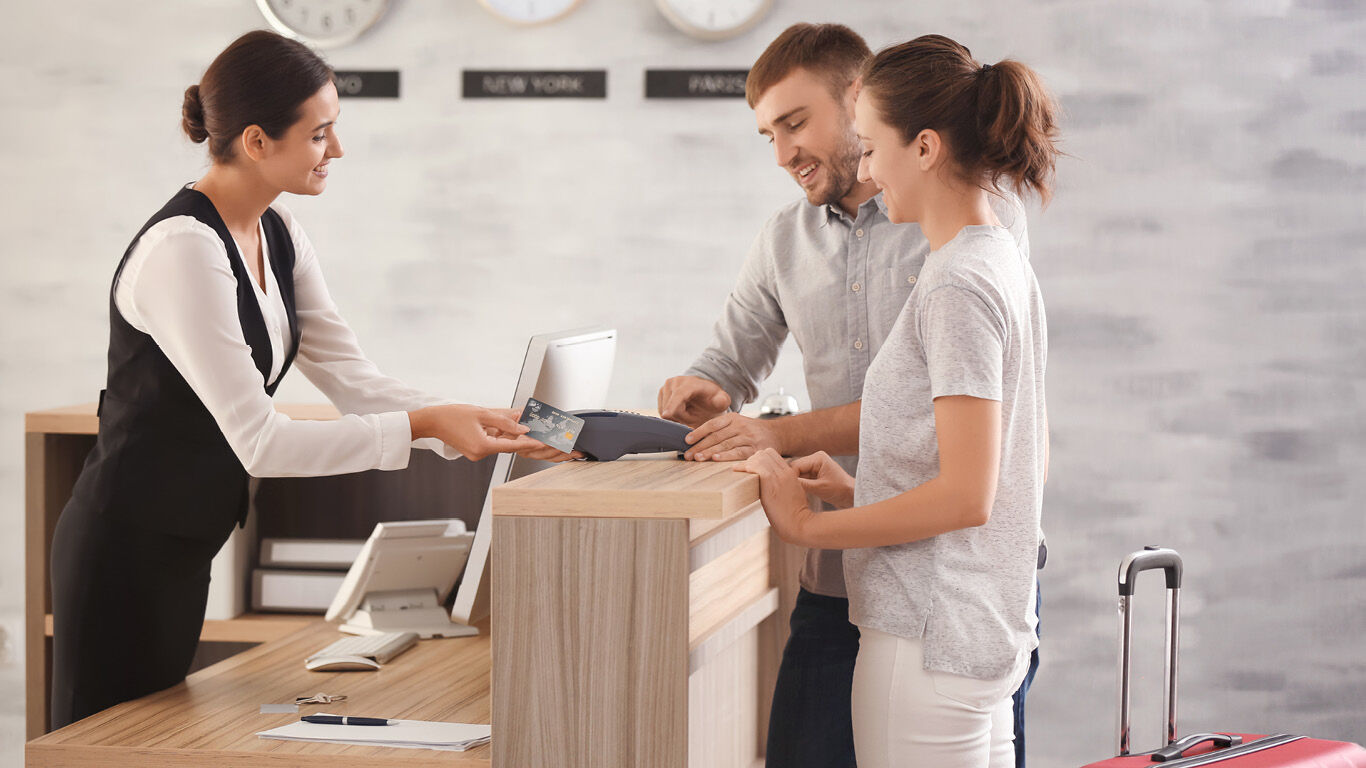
(810, 725)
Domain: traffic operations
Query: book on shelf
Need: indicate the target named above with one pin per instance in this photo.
(317, 554)
(294, 591)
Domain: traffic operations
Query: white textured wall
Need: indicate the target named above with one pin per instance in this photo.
(1202, 265)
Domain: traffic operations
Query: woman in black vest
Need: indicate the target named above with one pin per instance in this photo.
(214, 300)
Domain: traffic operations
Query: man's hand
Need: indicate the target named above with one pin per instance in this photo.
(781, 494)
(692, 400)
(730, 437)
(820, 475)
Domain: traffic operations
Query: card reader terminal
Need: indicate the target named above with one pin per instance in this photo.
(609, 435)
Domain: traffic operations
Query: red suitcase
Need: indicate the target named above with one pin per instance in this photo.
(1222, 750)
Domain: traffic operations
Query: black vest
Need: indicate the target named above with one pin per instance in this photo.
(160, 461)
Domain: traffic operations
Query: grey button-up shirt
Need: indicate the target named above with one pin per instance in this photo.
(837, 283)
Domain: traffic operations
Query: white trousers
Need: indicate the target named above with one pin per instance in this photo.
(907, 717)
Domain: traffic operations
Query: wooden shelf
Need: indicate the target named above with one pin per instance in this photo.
(81, 419)
(247, 628)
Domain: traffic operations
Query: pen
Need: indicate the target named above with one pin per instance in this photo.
(344, 720)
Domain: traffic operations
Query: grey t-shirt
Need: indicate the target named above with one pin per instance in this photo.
(837, 283)
(974, 325)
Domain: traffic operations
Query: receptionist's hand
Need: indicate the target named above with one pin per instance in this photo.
(475, 432)
(820, 475)
(692, 400)
(780, 492)
(540, 451)
(730, 437)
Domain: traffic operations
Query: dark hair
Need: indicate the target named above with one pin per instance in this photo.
(997, 120)
(832, 51)
(261, 79)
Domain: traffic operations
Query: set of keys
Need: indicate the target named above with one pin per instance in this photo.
(317, 698)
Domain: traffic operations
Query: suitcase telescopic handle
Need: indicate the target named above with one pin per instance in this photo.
(1149, 558)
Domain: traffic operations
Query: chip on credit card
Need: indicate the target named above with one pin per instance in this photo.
(552, 426)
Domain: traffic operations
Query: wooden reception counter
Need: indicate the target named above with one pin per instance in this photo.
(630, 602)
(636, 621)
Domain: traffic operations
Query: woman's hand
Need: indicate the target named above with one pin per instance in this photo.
(479, 432)
(780, 491)
(820, 475)
(539, 451)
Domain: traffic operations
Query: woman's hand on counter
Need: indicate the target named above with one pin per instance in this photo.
(781, 493)
(820, 475)
(479, 432)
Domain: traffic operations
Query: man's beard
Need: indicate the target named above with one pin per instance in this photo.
(842, 170)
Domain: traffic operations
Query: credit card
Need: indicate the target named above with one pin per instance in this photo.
(552, 426)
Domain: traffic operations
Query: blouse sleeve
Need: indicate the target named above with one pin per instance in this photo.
(185, 297)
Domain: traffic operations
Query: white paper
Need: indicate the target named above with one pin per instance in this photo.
(411, 734)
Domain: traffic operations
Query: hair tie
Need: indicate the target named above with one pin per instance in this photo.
(985, 68)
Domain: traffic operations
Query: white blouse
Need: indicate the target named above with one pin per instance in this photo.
(178, 287)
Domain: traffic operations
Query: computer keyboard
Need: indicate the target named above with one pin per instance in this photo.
(381, 648)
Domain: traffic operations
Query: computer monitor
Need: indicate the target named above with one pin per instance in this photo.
(400, 579)
(570, 370)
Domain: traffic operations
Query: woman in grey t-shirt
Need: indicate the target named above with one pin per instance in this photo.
(942, 527)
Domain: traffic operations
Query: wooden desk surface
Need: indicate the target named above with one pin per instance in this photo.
(81, 419)
(666, 488)
(213, 717)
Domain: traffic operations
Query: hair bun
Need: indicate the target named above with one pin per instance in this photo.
(192, 116)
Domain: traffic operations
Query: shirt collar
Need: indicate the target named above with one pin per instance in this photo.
(833, 211)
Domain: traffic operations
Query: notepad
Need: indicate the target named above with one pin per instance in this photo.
(408, 734)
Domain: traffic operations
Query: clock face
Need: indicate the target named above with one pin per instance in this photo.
(530, 11)
(714, 19)
(323, 23)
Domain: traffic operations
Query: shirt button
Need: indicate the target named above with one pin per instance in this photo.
(911, 279)
(858, 344)
(858, 232)
(856, 287)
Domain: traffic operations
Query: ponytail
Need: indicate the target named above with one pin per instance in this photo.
(998, 120)
(1017, 126)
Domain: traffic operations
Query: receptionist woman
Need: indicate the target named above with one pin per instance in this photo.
(216, 298)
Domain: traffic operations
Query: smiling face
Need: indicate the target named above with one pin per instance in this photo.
(901, 170)
(297, 161)
(812, 134)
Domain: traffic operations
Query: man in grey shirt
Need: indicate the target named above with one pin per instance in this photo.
(834, 272)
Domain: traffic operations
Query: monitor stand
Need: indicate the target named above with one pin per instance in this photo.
(407, 610)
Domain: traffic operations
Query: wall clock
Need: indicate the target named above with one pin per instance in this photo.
(528, 12)
(323, 23)
(714, 19)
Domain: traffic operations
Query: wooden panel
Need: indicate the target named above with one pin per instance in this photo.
(35, 588)
(213, 717)
(348, 506)
(720, 589)
(69, 420)
(81, 419)
(738, 529)
(247, 628)
(738, 625)
(630, 488)
(701, 528)
(721, 715)
(51, 466)
(590, 657)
